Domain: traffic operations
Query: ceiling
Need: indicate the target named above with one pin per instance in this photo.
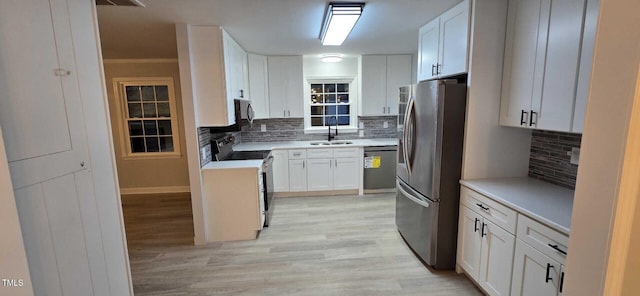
(271, 27)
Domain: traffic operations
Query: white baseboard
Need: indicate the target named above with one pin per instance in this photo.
(155, 190)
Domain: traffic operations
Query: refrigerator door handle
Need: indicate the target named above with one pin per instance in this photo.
(408, 155)
(412, 198)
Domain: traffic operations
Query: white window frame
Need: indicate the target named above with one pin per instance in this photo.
(120, 85)
(353, 104)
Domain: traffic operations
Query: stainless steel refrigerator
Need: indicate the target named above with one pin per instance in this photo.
(430, 137)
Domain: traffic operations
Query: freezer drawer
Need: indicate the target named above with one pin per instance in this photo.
(416, 218)
(382, 175)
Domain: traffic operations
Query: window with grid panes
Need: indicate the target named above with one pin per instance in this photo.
(149, 115)
(330, 104)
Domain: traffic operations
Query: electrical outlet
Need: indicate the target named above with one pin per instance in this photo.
(385, 124)
(203, 153)
(263, 127)
(575, 155)
(360, 125)
(361, 134)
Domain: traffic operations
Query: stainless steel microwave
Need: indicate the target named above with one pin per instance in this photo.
(244, 112)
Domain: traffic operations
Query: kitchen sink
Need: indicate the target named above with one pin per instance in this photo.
(319, 143)
(341, 143)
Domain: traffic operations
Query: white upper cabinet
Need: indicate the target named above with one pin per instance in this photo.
(285, 86)
(259, 85)
(443, 44)
(219, 74)
(382, 76)
(542, 64)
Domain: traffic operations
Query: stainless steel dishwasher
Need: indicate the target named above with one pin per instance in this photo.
(379, 169)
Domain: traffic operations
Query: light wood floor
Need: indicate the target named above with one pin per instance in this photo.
(332, 245)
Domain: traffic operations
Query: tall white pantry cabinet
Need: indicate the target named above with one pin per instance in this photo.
(53, 98)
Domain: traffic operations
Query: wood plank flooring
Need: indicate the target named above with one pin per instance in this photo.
(328, 245)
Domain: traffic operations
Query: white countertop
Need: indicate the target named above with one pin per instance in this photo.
(250, 146)
(547, 203)
(233, 164)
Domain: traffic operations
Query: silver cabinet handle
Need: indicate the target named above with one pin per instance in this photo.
(388, 110)
(289, 112)
(383, 110)
(284, 113)
(303, 164)
(433, 69)
(336, 163)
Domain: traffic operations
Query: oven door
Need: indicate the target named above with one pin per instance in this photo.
(267, 181)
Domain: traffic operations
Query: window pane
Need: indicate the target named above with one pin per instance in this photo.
(133, 93)
(164, 127)
(330, 120)
(343, 87)
(316, 121)
(330, 110)
(316, 88)
(343, 109)
(135, 128)
(135, 110)
(343, 120)
(150, 127)
(150, 110)
(166, 144)
(343, 98)
(330, 88)
(316, 110)
(147, 93)
(152, 144)
(163, 110)
(317, 99)
(330, 99)
(162, 93)
(137, 145)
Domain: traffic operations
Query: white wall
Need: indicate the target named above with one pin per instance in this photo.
(597, 217)
(313, 67)
(490, 150)
(13, 260)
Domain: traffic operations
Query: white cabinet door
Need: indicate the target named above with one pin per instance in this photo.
(346, 173)
(561, 66)
(586, 58)
(398, 74)
(259, 85)
(496, 259)
(295, 87)
(469, 241)
(320, 174)
(374, 77)
(297, 175)
(280, 170)
(523, 60)
(534, 273)
(428, 39)
(454, 28)
(285, 86)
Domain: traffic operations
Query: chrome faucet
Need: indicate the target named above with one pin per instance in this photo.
(329, 136)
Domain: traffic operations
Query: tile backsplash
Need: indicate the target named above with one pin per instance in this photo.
(292, 129)
(549, 160)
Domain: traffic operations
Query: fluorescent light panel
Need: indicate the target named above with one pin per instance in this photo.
(340, 20)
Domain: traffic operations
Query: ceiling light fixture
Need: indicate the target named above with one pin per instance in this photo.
(340, 18)
(331, 57)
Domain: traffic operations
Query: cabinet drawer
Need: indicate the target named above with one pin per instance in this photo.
(542, 238)
(298, 154)
(346, 152)
(320, 153)
(490, 209)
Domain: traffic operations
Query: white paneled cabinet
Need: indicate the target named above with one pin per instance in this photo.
(543, 63)
(219, 73)
(280, 170)
(486, 241)
(346, 173)
(317, 169)
(535, 274)
(285, 86)
(443, 44)
(382, 76)
(259, 85)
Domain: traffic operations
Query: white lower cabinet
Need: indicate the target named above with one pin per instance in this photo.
(320, 174)
(297, 175)
(508, 253)
(346, 173)
(534, 273)
(485, 252)
(298, 170)
(280, 170)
